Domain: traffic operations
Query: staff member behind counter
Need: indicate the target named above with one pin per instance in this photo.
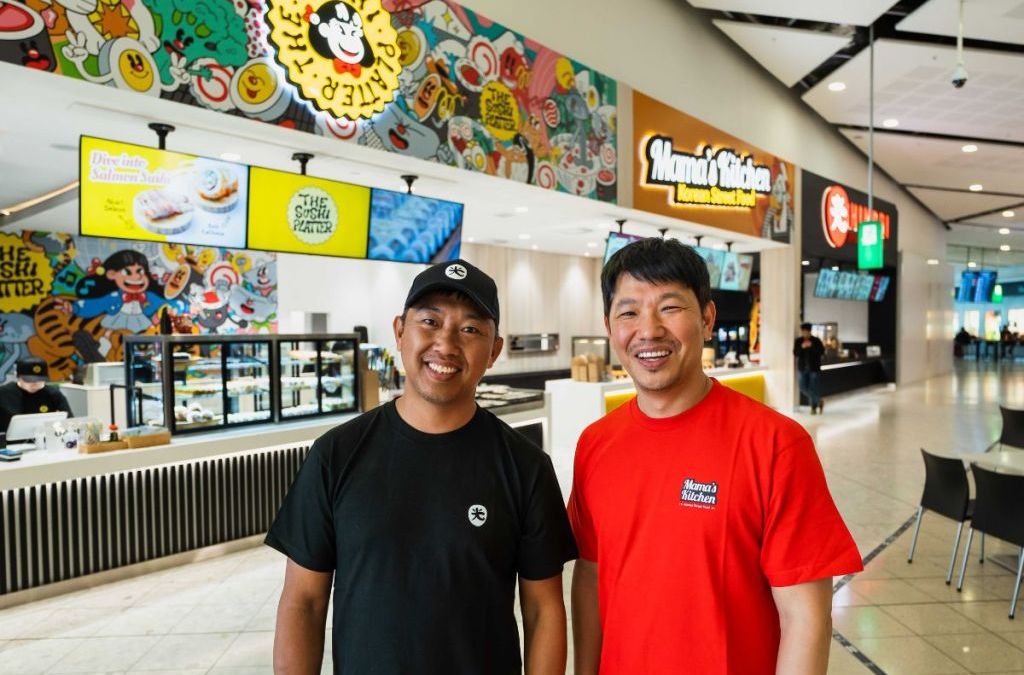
(29, 395)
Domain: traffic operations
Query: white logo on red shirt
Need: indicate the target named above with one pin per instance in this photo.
(699, 495)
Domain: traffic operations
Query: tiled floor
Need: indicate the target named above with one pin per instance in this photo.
(217, 616)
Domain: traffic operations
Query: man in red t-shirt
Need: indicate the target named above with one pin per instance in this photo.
(707, 535)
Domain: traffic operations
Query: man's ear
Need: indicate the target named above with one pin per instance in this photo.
(398, 325)
(499, 342)
(710, 313)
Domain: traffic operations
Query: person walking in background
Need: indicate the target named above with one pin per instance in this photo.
(808, 351)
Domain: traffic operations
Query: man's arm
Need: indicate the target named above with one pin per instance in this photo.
(586, 619)
(805, 616)
(543, 625)
(301, 619)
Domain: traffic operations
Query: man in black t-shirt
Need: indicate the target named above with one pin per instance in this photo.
(29, 394)
(424, 512)
(808, 351)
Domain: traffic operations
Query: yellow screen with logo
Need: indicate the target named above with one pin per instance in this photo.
(301, 214)
(137, 192)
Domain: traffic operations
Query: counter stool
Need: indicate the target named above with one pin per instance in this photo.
(947, 493)
(998, 511)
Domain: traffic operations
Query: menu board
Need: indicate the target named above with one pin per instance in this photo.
(301, 214)
(714, 259)
(968, 283)
(985, 286)
(136, 192)
(865, 282)
(616, 241)
(879, 288)
(847, 287)
(409, 228)
(736, 269)
(828, 281)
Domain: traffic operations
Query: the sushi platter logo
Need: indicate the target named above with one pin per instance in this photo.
(708, 177)
(343, 57)
(312, 215)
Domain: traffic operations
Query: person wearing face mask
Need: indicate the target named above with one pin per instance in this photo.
(29, 393)
(424, 514)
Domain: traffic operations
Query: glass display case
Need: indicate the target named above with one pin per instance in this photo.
(201, 383)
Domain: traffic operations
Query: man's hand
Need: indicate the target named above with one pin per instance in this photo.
(586, 619)
(543, 625)
(301, 620)
(805, 616)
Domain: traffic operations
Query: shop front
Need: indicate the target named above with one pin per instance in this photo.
(850, 283)
(229, 274)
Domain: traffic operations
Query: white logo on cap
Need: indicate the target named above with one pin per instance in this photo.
(457, 272)
(477, 515)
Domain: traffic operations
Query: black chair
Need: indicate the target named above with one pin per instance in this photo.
(999, 512)
(1013, 428)
(947, 493)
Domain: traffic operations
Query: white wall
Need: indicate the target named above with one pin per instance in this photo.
(537, 292)
(668, 50)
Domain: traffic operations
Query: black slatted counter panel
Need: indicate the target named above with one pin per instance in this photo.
(59, 531)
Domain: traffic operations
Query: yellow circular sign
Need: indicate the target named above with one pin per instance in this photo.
(343, 59)
(135, 70)
(499, 111)
(256, 84)
(44, 408)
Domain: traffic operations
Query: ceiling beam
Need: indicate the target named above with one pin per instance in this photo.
(935, 136)
(981, 214)
(986, 193)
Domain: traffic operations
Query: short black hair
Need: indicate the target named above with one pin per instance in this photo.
(805, 326)
(656, 260)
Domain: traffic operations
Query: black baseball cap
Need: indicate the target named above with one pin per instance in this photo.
(458, 276)
(32, 369)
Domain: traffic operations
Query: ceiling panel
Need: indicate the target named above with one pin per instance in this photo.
(949, 205)
(859, 13)
(919, 160)
(995, 20)
(912, 85)
(787, 53)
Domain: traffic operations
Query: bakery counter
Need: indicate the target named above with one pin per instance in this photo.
(64, 515)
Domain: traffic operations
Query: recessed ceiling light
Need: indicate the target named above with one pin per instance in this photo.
(970, 147)
(524, 236)
(972, 264)
(837, 86)
(1008, 214)
(521, 209)
(587, 254)
(470, 239)
(534, 247)
(976, 187)
(1004, 248)
(805, 263)
(890, 123)
(591, 244)
(1004, 230)
(230, 156)
(835, 268)
(933, 261)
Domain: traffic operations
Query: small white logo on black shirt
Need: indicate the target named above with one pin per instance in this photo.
(699, 495)
(477, 515)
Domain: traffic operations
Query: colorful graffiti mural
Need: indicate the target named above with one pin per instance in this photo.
(470, 93)
(71, 300)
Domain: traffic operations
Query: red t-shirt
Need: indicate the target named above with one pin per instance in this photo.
(691, 520)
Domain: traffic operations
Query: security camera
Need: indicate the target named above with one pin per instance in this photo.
(959, 75)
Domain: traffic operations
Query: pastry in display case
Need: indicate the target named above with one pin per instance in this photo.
(195, 383)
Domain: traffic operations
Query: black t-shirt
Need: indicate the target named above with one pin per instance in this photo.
(808, 358)
(425, 534)
(16, 401)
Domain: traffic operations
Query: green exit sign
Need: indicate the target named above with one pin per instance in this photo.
(870, 245)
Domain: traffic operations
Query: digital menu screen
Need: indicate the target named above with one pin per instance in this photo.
(303, 214)
(616, 242)
(827, 285)
(736, 269)
(847, 286)
(409, 228)
(968, 284)
(985, 286)
(865, 283)
(714, 259)
(879, 288)
(136, 192)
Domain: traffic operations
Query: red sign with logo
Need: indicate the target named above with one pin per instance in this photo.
(840, 216)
